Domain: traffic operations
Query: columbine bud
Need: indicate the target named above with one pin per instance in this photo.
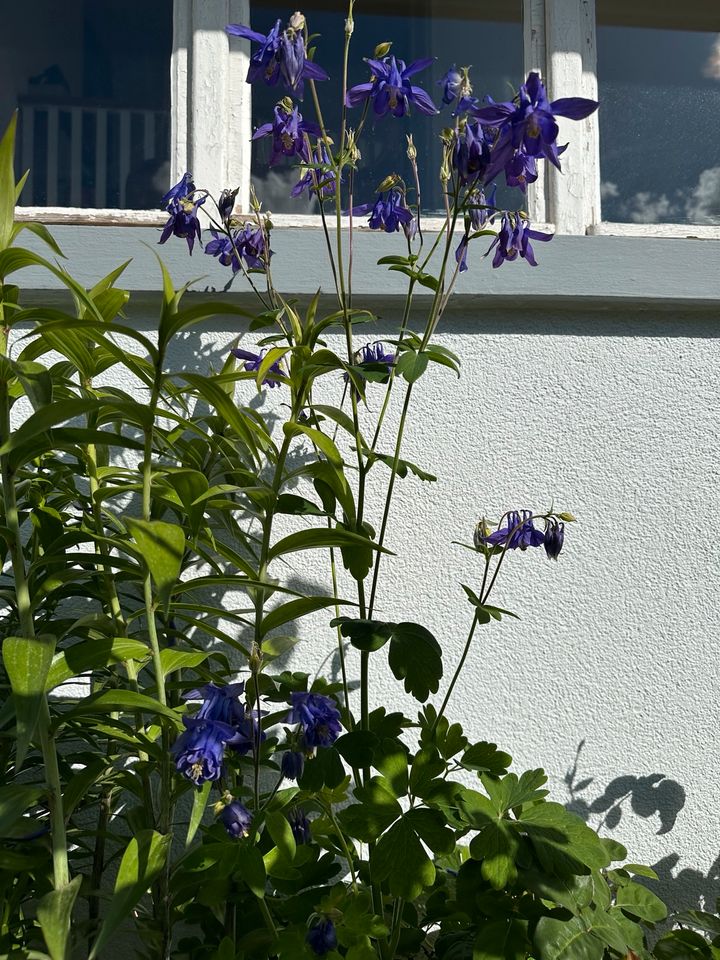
(567, 517)
(411, 148)
(352, 148)
(349, 27)
(297, 21)
(236, 819)
(292, 765)
(255, 204)
(388, 183)
(554, 537)
(482, 530)
(382, 50)
(255, 659)
(226, 203)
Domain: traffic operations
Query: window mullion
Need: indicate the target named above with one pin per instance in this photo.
(535, 58)
(179, 88)
(574, 195)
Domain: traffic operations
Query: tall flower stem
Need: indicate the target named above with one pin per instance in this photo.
(61, 870)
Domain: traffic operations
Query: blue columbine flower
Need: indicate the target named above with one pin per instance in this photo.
(281, 54)
(318, 718)
(247, 245)
(519, 532)
(554, 538)
(318, 179)
(292, 765)
(248, 732)
(236, 819)
(182, 189)
(471, 152)
(253, 361)
(322, 938)
(199, 750)
(452, 84)
(513, 240)
(481, 208)
(388, 212)
(289, 133)
(390, 89)
(528, 122)
(461, 254)
(219, 703)
(183, 221)
(376, 360)
(300, 825)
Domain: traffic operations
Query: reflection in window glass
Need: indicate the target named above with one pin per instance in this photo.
(659, 104)
(483, 33)
(92, 84)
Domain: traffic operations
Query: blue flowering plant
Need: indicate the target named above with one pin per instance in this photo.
(174, 770)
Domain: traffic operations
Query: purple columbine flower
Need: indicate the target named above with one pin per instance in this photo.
(322, 938)
(253, 361)
(520, 170)
(199, 750)
(318, 718)
(481, 209)
(519, 532)
(236, 819)
(292, 765)
(281, 54)
(471, 152)
(529, 122)
(374, 357)
(182, 189)
(219, 703)
(226, 203)
(389, 212)
(248, 732)
(300, 825)
(183, 221)
(320, 175)
(390, 89)
(554, 538)
(289, 133)
(452, 84)
(513, 240)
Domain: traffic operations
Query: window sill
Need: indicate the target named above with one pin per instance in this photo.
(672, 231)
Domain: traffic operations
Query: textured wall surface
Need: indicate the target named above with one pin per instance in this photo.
(603, 402)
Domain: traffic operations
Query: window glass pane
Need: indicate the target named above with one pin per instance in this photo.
(92, 84)
(484, 33)
(659, 103)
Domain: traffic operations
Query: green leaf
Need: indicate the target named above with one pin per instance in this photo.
(7, 182)
(281, 834)
(416, 658)
(411, 365)
(700, 920)
(486, 758)
(251, 867)
(357, 748)
(368, 635)
(682, 945)
(272, 356)
(141, 863)
(123, 700)
(400, 858)
(505, 939)
(27, 662)
(173, 659)
(294, 609)
(641, 902)
(320, 440)
(54, 911)
(294, 505)
(93, 655)
(378, 808)
(563, 842)
(320, 537)
(15, 798)
(432, 829)
(162, 546)
(566, 940)
(200, 800)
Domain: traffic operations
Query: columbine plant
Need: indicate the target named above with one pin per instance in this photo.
(268, 815)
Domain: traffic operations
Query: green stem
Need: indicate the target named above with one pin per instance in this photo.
(458, 670)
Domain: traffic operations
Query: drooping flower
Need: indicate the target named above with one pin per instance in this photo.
(281, 54)
(519, 532)
(471, 152)
(246, 245)
(236, 819)
(183, 221)
(481, 208)
(318, 719)
(199, 750)
(529, 121)
(376, 361)
(226, 203)
(461, 254)
(513, 240)
(300, 825)
(390, 89)
(248, 732)
(388, 212)
(289, 133)
(520, 170)
(183, 188)
(253, 361)
(318, 179)
(452, 84)
(554, 538)
(322, 937)
(292, 765)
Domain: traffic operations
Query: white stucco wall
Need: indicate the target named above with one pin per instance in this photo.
(608, 409)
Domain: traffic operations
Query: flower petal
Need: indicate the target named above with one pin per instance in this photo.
(240, 30)
(422, 101)
(417, 65)
(574, 108)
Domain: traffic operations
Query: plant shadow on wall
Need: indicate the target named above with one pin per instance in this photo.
(651, 797)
